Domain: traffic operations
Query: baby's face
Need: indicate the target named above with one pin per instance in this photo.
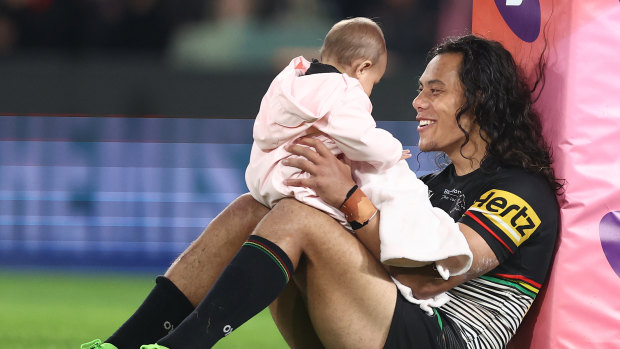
(372, 75)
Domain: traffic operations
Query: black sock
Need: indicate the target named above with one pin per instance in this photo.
(162, 310)
(253, 279)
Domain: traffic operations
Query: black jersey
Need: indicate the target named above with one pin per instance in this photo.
(516, 213)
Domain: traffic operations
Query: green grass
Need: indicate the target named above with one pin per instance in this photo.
(56, 310)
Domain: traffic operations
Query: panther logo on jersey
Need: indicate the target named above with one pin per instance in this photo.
(508, 212)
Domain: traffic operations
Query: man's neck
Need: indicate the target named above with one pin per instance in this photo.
(468, 159)
(463, 166)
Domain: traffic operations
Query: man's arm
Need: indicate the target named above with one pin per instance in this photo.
(426, 283)
(331, 179)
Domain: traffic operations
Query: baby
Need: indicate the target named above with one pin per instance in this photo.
(328, 100)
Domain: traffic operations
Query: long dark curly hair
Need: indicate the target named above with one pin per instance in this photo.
(500, 99)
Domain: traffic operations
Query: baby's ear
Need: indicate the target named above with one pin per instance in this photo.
(361, 65)
(366, 64)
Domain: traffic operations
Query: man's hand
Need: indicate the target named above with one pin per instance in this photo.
(329, 177)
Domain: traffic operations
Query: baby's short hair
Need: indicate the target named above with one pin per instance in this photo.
(353, 38)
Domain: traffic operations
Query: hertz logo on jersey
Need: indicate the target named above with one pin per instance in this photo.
(510, 213)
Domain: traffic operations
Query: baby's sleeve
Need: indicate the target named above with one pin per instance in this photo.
(355, 132)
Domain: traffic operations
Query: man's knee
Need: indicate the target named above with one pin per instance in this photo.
(247, 208)
(309, 228)
(247, 203)
(301, 216)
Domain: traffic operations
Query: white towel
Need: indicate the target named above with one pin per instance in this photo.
(425, 304)
(413, 233)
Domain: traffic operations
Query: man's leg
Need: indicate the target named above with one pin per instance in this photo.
(351, 297)
(191, 276)
(195, 271)
(290, 314)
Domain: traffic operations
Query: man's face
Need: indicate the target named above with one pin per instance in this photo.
(440, 95)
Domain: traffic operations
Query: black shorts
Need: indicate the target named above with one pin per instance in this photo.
(412, 327)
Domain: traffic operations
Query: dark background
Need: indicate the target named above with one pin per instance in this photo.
(212, 58)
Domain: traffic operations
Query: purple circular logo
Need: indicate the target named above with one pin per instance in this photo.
(609, 229)
(522, 16)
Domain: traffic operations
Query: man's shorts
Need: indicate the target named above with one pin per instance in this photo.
(412, 327)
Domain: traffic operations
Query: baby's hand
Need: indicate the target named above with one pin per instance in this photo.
(406, 154)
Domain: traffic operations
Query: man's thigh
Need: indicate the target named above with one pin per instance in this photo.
(350, 297)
